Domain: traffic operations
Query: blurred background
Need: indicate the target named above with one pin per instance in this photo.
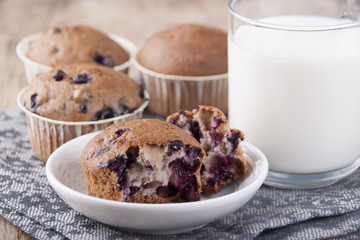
(135, 20)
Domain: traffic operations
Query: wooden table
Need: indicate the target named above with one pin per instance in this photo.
(132, 19)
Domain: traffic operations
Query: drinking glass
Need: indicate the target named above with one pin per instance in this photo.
(294, 86)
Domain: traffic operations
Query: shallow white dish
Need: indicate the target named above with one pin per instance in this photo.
(64, 172)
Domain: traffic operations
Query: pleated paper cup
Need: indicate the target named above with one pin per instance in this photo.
(46, 134)
(33, 68)
(171, 93)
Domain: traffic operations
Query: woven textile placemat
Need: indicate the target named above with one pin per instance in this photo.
(29, 202)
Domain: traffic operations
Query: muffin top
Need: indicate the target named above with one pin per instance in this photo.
(132, 134)
(186, 50)
(76, 44)
(82, 92)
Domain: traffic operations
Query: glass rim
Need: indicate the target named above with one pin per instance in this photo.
(257, 23)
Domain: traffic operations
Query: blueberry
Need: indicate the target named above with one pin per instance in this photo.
(196, 130)
(216, 138)
(174, 121)
(33, 105)
(133, 190)
(120, 132)
(174, 146)
(185, 183)
(182, 112)
(132, 153)
(97, 116)
(123, 181)
(83, 108)
(211, 181)
(149, 167)
(183, 168)
(104, 113)
(185, 180)
(178, 167)
(216, 122)
(118, 165)
(107, 113)
(58, 75)
(102, 151)
(220, 167)
(188, 189)
(202, 169)
(81, 78)
(104, 60)
(126, 110)
(192, 152)
(234, 140)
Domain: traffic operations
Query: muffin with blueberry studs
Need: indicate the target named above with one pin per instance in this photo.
(225, 160)
(82, 92)
(143, 161)
(74, 99)
(76, 44)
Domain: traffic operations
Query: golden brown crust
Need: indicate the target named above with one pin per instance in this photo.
(67, 101)
(186, 50)
(102, 185)
(75, 44)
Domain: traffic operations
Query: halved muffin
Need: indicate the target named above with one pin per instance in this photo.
(143, 161)
(225, 161)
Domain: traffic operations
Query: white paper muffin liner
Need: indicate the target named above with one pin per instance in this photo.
(171, 93)
(46, 134)
(33, 68)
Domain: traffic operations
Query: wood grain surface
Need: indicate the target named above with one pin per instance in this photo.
(132, 19)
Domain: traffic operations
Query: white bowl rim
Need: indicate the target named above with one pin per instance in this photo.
(129, 47)
(141, 68)
(170, 206)
(27, 111)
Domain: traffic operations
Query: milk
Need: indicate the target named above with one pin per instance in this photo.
(296, 95)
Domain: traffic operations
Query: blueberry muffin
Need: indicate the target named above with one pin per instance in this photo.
(76, 44)
(143, 161)
(184, 67)
(82, 92)
(186, 50)
(225, 161)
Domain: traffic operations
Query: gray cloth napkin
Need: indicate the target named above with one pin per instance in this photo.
(28, 201)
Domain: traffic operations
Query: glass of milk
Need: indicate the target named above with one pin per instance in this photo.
(294, 86)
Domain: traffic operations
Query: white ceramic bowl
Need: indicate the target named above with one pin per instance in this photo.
(64, 172)
(33, 68)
